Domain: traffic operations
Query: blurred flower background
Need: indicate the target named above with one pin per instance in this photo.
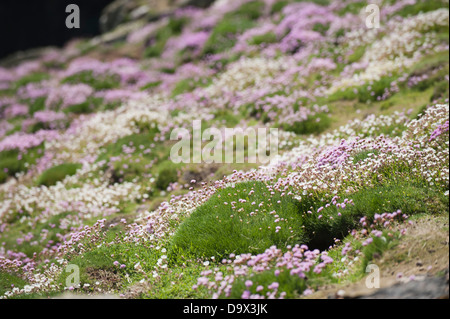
(86, 177)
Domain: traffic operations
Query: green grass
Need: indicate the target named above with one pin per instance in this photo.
(150, 85)
(18, 230)
(98, 262)
(319, 2)
(436, 67)
(278, 6)
(91, 104)
(321, 28)
(364, 154)
(35, 105)
(364, 93)
(98, 82)
(215, 229)
(313, 125)
(211, 231)
(421, 6)
(31, 78)
(12, 161)
(185, 276)
(223, 35)
(57, 173)
(168, 173)
(174, 27)
(353, 8)
(7, 279)
(292, 285)
(129, 167)
(146, 138)
(188, 85)
(406, 196)
(226, 117)
(430, 62)
(269, 37)
(377, 248)
(440, 91)
(357, 54)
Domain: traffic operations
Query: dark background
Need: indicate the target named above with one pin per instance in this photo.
(26, 24)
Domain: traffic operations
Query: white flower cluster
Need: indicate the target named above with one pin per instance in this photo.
(247, 72)
(106, 127)
(405, 44)
(90, 198)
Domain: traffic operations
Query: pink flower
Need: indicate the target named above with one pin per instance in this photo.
(307, 292)
(246, 294)
(273, 286)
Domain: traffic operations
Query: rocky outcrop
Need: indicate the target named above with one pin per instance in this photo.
(121, 11)
(426, 288)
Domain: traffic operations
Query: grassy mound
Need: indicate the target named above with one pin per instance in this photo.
(245, 218)
(57, 173)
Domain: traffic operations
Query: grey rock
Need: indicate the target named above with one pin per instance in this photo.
(428, 288)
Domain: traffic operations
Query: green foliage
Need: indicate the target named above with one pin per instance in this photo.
(157, 47)
(176, 25)
(227, 117)
(292, 285)
(313, 125)
(269, 37)
(13, 161)
(430, 62)
(168, 173)
(31, 78)
(128, 167)
(3, 177)
(408, 197)
(188, 85)
(151, 85)
(251, 10)
(98, 82)
(357, 54)
(223, 35)
(435, 67)
(364, 154)
(278, 6)
(421, 6)
(35, 105)
(57, 173)
(115, 149)
(353, 8)
(8, 281)
(97, 264)
(91, 104)
(216, 229)
(319, 2)
(365, 93)
(440, 91)
(378, 246)
(173, 28)
(321, 28)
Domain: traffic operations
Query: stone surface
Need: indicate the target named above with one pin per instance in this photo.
(122, 11)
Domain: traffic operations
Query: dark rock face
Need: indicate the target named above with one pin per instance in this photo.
(26, 24)
(428, 288)
(121, 11)
(114, 14)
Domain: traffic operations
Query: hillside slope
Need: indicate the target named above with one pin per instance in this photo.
(89, 185)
